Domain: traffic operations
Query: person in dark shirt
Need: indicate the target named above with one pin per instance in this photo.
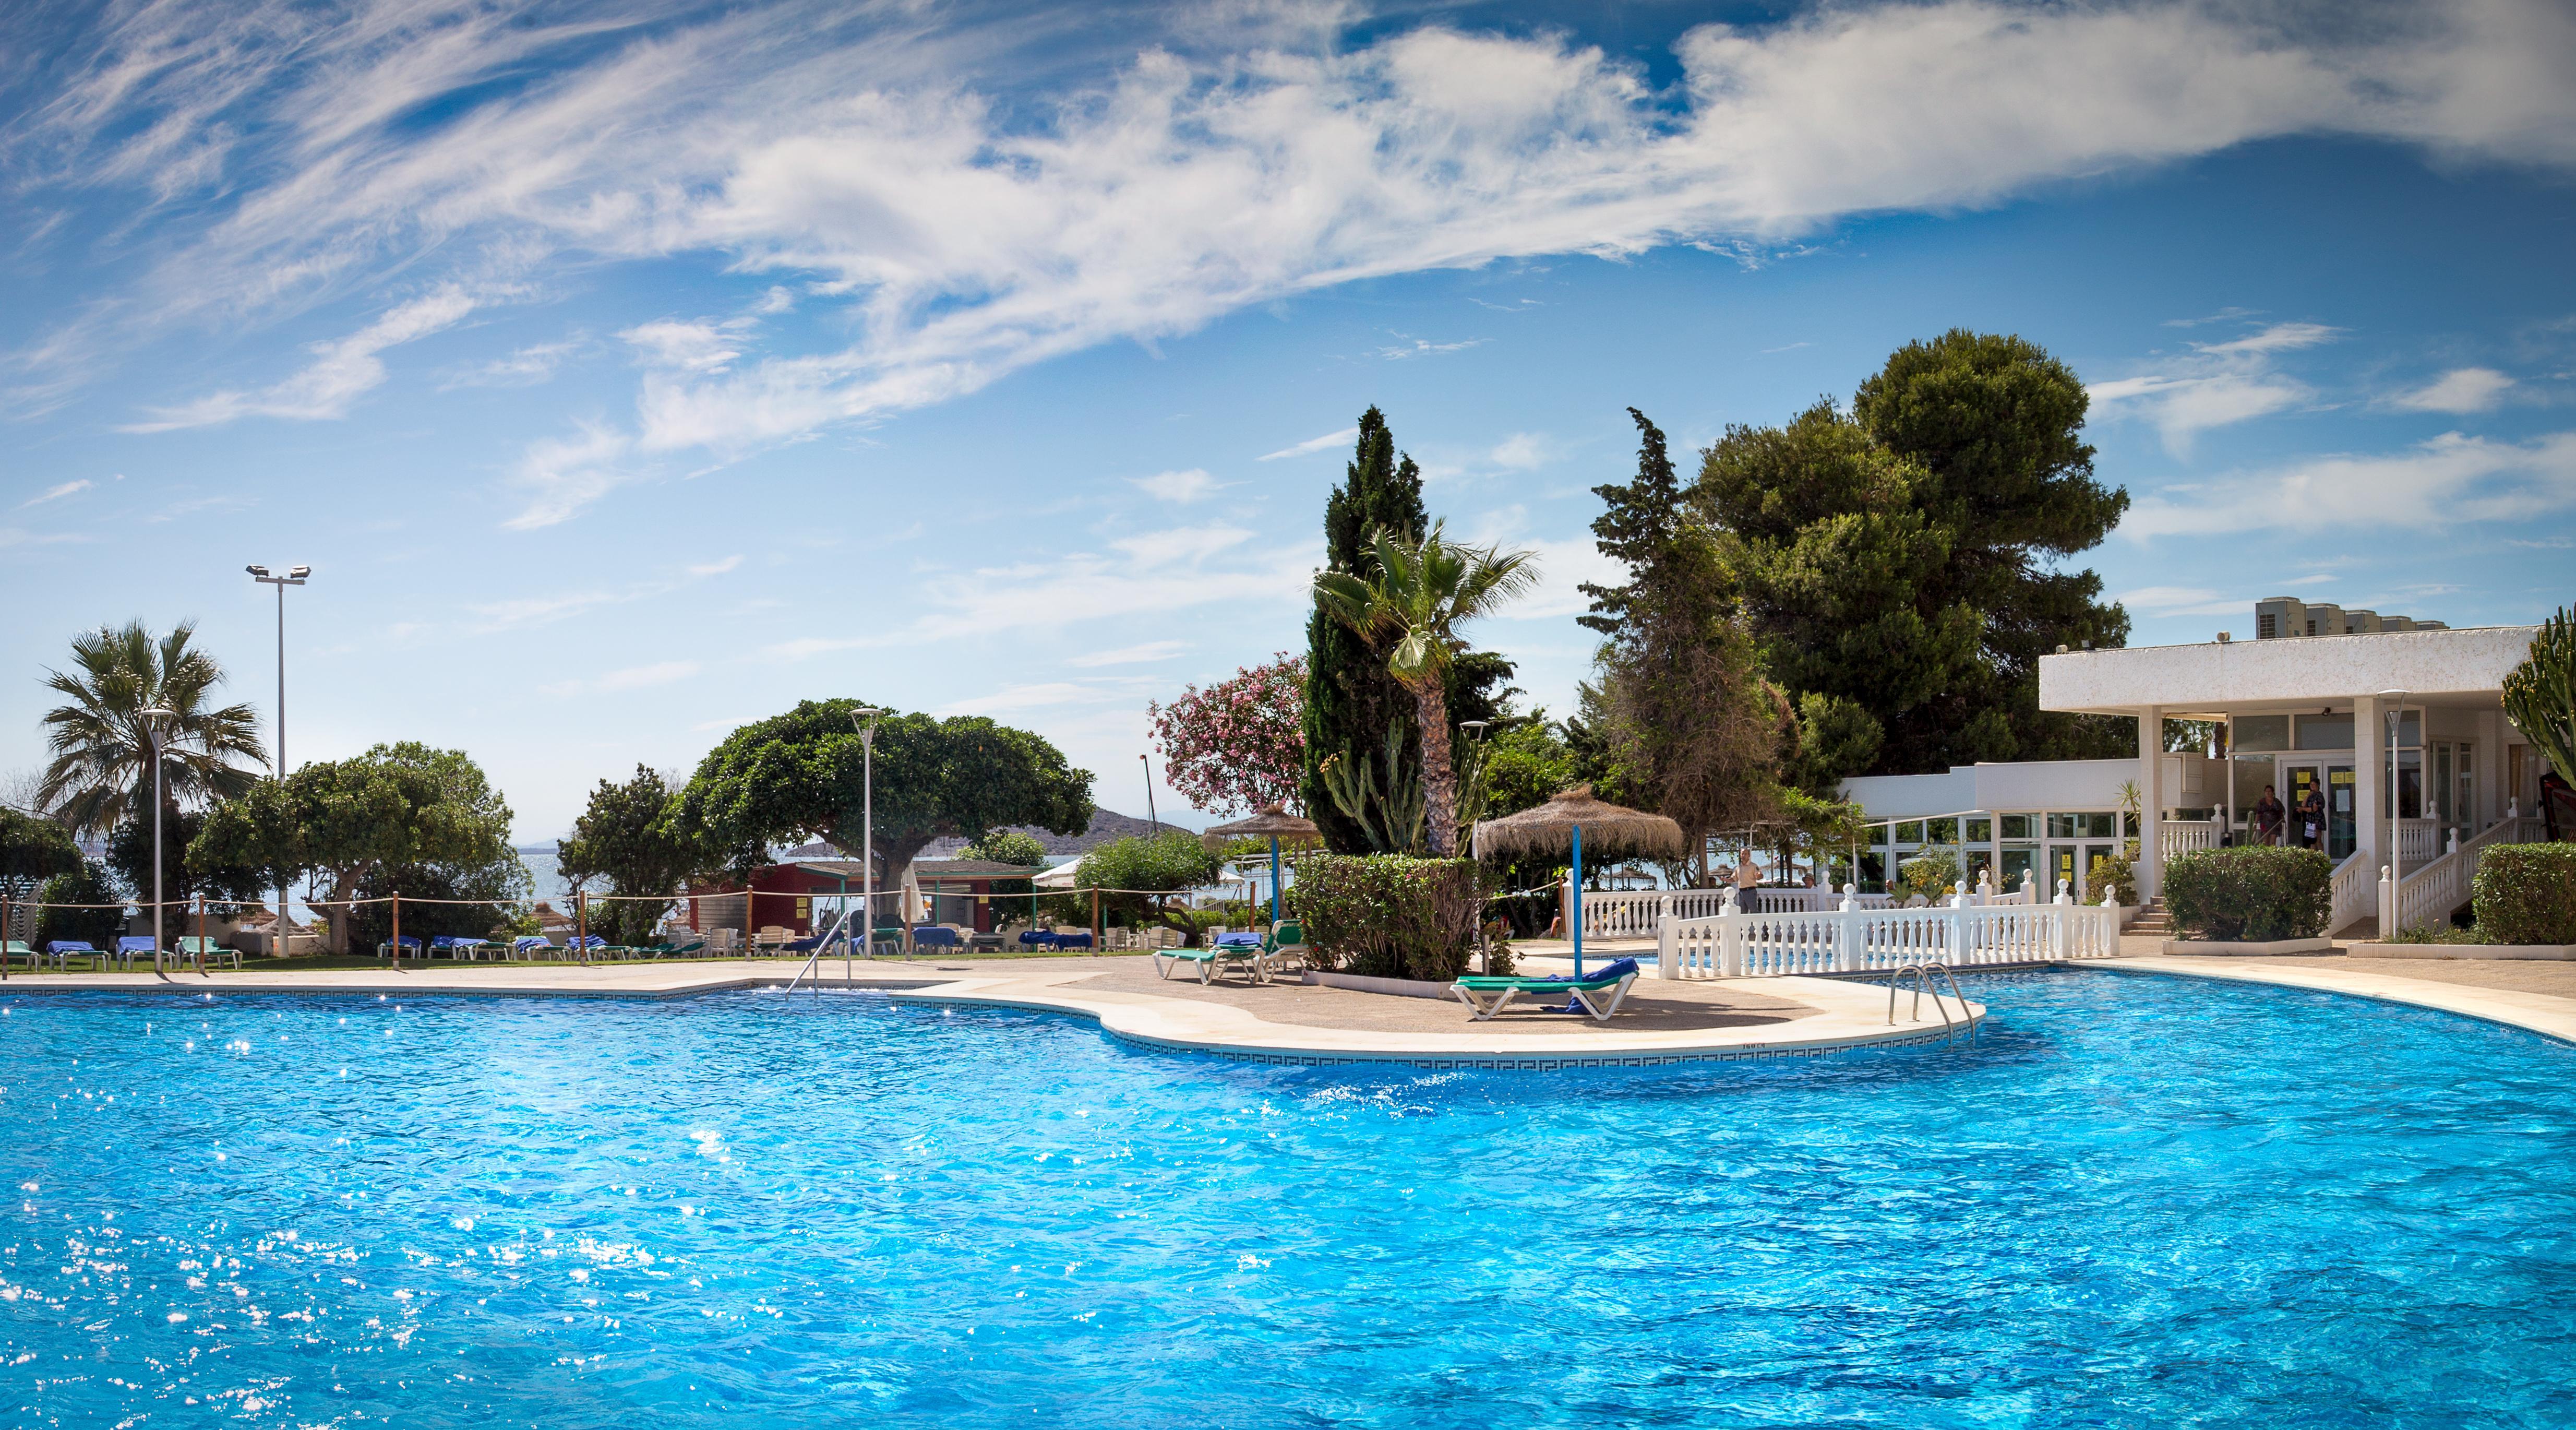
(2312, 820)
(2268, 813)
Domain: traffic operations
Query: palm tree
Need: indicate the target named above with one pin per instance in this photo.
(101, 774)
(1422, 592)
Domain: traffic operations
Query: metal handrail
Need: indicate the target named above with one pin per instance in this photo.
(1925, 973)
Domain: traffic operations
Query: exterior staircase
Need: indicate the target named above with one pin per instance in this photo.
(2151, 922)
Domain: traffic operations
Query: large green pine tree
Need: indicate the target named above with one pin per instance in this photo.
(1898, 563)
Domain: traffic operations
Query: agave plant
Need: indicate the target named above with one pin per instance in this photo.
(101, 773)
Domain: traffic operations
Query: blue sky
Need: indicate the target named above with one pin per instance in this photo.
(628, 372)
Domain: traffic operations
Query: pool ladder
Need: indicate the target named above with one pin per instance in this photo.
(1928, 976)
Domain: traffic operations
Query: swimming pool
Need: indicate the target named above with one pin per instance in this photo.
(2138, 1201)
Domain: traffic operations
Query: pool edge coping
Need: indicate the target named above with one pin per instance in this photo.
(2553, 1018)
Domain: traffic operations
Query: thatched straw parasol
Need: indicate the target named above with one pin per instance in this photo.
(1609, 831)
(1275, 824)
(1563, 825)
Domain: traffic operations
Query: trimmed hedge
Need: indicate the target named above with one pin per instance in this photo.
(1388, 915)
(2250, 894)
(2526, 893)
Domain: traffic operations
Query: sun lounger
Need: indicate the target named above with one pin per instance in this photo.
(529, 945)
(455, 947)
(202, 951)
(936, 936)
(1221, 953)
(132, 946)
(12, 948)
(410, 947)
(62, 951)
(1596, 995)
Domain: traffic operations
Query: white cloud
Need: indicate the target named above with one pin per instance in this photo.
(1178, 487)
(568, 474)
(1522, 451)
(1313, 444)
(1563, 566)
(522, 367)
(339, 374)
(716, 568)
(2214, 385)
(1149, 652)
(2468, 389)
(57, 492)
(2437, 484)
(690, 347)
(1423, 347)
(1224, 162)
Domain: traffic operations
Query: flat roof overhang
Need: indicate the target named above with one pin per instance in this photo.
(2447, 668)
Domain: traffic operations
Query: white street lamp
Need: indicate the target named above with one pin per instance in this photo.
(1151, 822)
(2396, 854)
(152, 719)
(294, 577)
(868, 821)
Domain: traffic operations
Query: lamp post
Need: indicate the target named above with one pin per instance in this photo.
(294, 577)
(868, 820)
(152, 719)
(1151, 822)
(2396, 856)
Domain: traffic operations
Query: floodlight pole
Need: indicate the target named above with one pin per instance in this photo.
(2396, 857)
(295, 576)
(1155, 825)
(867, 820)
(152, 736)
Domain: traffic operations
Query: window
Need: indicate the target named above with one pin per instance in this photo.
(2262, 732)
(2325, 732)
(1981, 831)
(2061, 826)
(1910, 833)
(2017, 826)
(2101, 824)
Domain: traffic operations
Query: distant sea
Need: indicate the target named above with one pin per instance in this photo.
(550, 886)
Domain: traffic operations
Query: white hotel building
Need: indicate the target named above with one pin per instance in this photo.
(2306, 705)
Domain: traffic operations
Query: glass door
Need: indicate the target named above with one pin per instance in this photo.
(2303, 826)
(2341, 813)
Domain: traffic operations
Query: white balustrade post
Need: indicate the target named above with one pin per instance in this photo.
(2029, 887)
(1985, 887)
(2061, 924)
(1848, 931)
(2387, 904)
(1730, 939)
(1668, 948)
(1957, 931)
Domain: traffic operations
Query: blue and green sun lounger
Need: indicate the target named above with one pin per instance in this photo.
(1596, 995)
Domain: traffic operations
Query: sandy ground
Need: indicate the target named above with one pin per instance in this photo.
(1652, 1007)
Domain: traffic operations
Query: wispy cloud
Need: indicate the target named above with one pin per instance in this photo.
(1131, 655)
(1224, 161)
(57, 492)
(2215, 384)
(2437, 484)
(2462, 390)
(1313, 444)
(716, 568)
(339, 374)
(522, 367)
(1177, 487)
(2184, 601)
(1423, 347)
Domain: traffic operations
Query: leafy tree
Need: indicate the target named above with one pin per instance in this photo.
(96, 925)
(1160, 866)
(797, 776)
(1239, 744)
(393, 808)
(33, 849)
(1008, 846)
(1692, 724)
(459, 901)
(621, 840)
(101, 772)
(1409, 614)
(129, 858)
(1897, 565)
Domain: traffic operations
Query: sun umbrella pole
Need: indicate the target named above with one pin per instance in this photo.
(1274, 879)
(1577, 884)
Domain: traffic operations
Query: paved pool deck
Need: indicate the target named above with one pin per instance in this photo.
(1287, 1021)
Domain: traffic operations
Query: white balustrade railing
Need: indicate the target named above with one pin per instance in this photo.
(2182, 836)
(1639, 913)
(1857, 939)
(2422, 841)
(2425, 897)
(2352, 893)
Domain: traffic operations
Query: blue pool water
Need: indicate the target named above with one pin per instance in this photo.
(2138, 1202)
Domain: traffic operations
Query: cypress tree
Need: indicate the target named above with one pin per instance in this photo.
(1349, 695)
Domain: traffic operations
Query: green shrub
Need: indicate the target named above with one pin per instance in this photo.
(2250, 894)
(1930, 873)
(1389, 915)
(2526, 893)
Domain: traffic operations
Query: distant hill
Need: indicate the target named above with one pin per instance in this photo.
(1107, 825)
